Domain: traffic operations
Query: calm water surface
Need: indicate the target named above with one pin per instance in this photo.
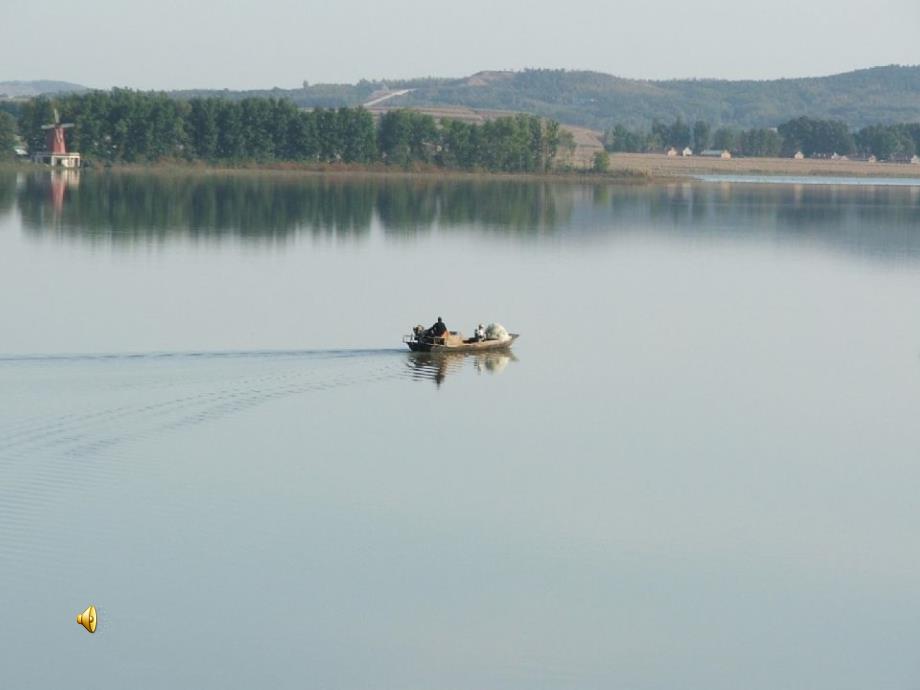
(699, 469)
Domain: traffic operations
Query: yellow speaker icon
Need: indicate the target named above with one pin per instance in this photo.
(88, 619)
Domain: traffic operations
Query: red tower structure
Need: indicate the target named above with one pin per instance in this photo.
(56, 154)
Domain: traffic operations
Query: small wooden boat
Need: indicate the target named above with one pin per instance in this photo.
(453, 341)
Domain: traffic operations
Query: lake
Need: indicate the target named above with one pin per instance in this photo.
(698, 469)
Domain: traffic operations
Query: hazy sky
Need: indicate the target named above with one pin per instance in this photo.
(244, 43)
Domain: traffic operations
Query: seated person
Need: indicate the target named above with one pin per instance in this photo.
(439, 329)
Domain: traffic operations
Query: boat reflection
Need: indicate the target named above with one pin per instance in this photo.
(427, 366)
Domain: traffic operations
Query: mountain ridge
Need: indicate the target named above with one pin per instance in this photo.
(38, 87)
(882, 94)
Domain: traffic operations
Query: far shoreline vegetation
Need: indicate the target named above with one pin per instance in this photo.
(810, 137)
(123, 129)
(123, 126)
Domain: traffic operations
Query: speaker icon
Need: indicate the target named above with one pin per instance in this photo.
(88, 619)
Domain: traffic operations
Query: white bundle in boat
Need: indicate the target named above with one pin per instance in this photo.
(495, 331)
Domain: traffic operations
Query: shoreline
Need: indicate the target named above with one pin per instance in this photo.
(345, 170)
(625, 168)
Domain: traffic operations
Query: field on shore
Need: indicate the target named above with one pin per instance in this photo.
(659, 165)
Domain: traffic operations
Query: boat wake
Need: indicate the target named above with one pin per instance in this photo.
(204, 354)
(75, 423)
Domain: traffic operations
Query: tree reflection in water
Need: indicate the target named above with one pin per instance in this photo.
(122, 208)
(134, 207)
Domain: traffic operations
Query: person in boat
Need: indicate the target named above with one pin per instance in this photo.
(480, 333)
(438, 329)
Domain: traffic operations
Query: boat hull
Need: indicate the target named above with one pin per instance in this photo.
(480, 346)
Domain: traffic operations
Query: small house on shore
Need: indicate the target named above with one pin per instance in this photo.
(798, 155)
(671, 152)
(724, 154)
(57, 160)
(687, 152)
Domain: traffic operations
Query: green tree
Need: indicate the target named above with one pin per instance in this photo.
(395, 137)
(621, 139)
(423, 137)
(680, 134)
(913, 131)
(660, 135)
(329, 136)
(406, 136)
(303, 138)
(359, 135)
(88, 112)
(567, 144)
(460, 148)
(601, 162)
(203, 127)
(886, 141)
(35, 113)
(256, 128)
(7, 135)
(701, 135)
(550, 143)
(760, 143)
(229, 131)
(812, 136)
(725, 139)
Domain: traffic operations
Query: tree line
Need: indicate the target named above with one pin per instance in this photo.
(811, 136)
(123, 125)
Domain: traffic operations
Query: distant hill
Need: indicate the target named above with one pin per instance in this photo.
(19, 89)
(597, 100)
(881, 94)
